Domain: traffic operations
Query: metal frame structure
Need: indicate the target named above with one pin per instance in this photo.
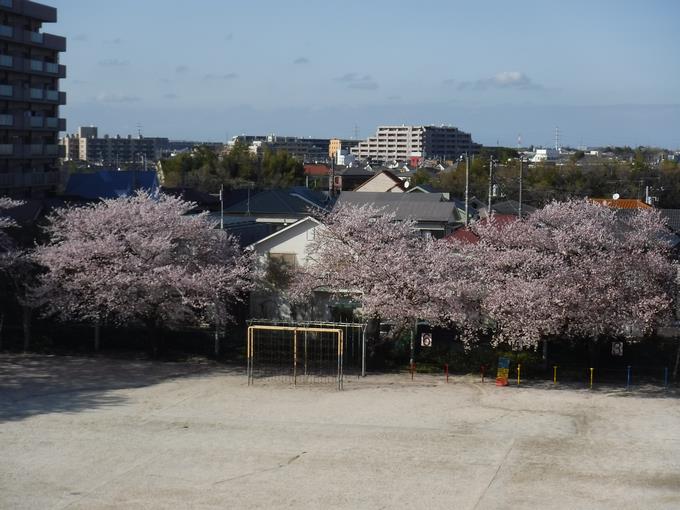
(250, 349)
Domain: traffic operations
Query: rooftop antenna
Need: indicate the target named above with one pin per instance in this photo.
(557, 138)
(139, 130)
(519, 141)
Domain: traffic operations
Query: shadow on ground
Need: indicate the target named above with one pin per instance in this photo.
(31, 385)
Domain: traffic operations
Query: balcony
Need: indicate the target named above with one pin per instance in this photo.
(6, 61)
(22, 122)
(6, 31)
(6, 120)
(6, 149)
(6, 90)
(21, 180)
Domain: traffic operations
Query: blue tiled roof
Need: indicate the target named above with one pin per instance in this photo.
(111, 184)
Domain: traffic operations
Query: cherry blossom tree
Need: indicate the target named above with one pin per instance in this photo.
(386, 265)
(11, 258)
(574, 270)
(140, 259)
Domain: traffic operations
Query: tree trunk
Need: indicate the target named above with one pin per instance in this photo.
(545, 354)
(97, 335)
(677, 362)
(217, 340)
(27, 327)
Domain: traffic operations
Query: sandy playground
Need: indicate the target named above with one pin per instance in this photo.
(88, 433)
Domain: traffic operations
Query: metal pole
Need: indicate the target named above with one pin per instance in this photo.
(521, 173)
(467, 188)
(295, 357)
(222, 207)
(363, 352)
(488, 212)
(628, 377)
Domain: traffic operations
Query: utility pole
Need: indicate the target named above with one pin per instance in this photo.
(488, 212)
(521, 173)
(222, 207)
(467, 188)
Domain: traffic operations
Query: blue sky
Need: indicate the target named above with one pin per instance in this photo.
(605, 72)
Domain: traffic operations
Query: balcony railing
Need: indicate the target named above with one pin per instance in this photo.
(36, 65)
(18, 179)
(51, 150)
(37, 37)
(6, 149)
(52, 95)
(6, 61)
(36, 122)
(6, 120)
(35, 149)
(52, 122)
(51, 67)
(37, 93)
(6, 90)
(7, 3)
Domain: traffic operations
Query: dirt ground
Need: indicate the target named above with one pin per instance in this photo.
(79, 433)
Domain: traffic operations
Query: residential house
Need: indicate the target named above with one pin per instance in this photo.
(280, 207)
(432, 212)
(350, 177)
(277, 254)
(384, 181)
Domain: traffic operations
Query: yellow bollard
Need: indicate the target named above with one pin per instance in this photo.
(591, 378)
(519, 368)
(555, 374)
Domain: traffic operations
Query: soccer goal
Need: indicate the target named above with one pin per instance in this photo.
(304, 353)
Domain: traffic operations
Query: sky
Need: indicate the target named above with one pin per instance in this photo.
(603, 72)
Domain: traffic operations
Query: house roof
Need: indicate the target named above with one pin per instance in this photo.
(417, 206)
(468, 236)
(621, 203)
(295, 201)
(203, 200)
(398, 183)
(353, 171)
(307, 219)
(110, 184)
(510, 207)
(317, 170)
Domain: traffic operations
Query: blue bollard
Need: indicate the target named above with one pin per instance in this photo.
(665, 377)
(628, 378)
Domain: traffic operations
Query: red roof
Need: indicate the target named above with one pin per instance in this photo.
(317, 170)
(465, 235)
(621, 203)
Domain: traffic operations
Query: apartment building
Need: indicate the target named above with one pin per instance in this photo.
(403, 143)
(86, 145)
(337, 145)
(29, 99)
(307, 150)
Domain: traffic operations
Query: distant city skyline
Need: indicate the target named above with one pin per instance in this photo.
(605, 72)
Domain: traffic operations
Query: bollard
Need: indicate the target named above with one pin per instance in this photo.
(628, 377)
(591, 378)
(519, 369)
(446, 368)
(665, 377)
(554, 374)
(413, 369)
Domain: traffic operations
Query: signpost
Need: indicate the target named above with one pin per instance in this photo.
(503, 371)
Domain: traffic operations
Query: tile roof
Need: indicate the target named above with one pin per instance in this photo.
(417, 206)
(621, 203)
(296, 200)
(317, 170)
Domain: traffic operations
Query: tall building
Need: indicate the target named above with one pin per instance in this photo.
(402, 143)
(29, 99)
(86, 146)
(307, 150)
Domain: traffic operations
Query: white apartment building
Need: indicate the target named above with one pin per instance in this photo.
(402, 143)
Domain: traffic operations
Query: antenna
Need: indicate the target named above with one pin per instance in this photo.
(519, 141)
(356, 132)
(557, 138)
(139, 130)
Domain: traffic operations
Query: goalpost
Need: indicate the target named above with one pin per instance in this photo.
(295, 353)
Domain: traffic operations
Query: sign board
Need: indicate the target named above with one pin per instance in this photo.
(503, 371)
(426, 340)
(617, 348)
